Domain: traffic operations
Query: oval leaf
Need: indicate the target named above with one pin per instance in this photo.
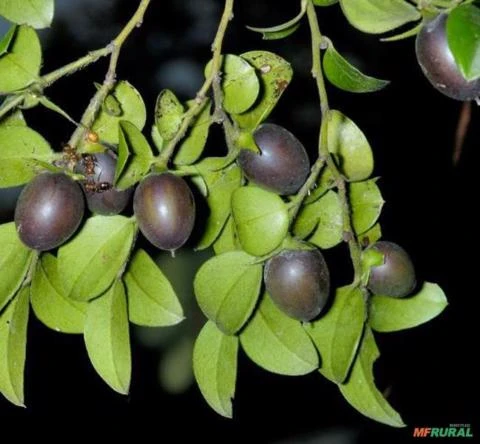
(134, 156)
(360, 390)
(13, 345)
(278, 343)
(227, 288)
(130, 107)
(20, 64)
(346, 76)
(350, 146)
(324, 2)
(49, 302)
(151, 299)
(168, 114)
(463, 35)
(221, 185)
(36, 13)
(15, 261)
(227, 241)
(261, 219)
(90, 262)
(240, 83)
(366, 204)
(108, 340)
(337, 334)
(215, 367)
(392, 314)
(191, 147)
(275, 74)
(21, 149)
(377, 16)
(16, 118)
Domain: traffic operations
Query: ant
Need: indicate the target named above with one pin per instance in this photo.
(96, 187)
(89, 161)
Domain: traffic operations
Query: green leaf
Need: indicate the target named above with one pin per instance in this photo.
(47, 103)
(337, 334)
(463, 36)
(284, 29)
(227, 288)
(227, 240)
(377, 16)
(15, 260)
(325, 182)
(6, 40)
(360, 390)
(275, 74)
(240, 83)
(13, 345)
(366, 204)
(108, 340)
(168, 114)
(20, 65)
(131, 108)
(221, 185)
(134, 156)
(278, 343)
(261, 219)
(324, 218)
(16, 118)
(20, 149)
(151, 299)
(90, 262)
(49, 302)
(36, 13)
(371, 236)
(191, 147)
(390, 314)
(324, 2)
(403, 35)
(350, 146)
(215, 367)
(346, 76)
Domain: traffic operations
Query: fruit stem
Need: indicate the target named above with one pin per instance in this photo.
(110, 78)
(201, 96)
(325, 155)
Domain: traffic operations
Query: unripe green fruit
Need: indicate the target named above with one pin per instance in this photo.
(437, 62)
(165, 210)
(298, 282)
(282, 166)
(396, 276)
(48, 211)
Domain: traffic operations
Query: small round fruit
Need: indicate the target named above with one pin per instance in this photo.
(106, 202)
(165, 210)
(49, 210)
(298, 282)
(437, 62)
(282, 166)
(396, 276)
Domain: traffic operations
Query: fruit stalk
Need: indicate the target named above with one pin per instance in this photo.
(317, 73)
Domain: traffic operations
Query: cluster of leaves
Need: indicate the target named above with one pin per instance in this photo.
(97, 282)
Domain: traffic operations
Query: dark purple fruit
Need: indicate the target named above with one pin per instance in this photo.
(298, 282)
(396, 276)
(102, 198)
(165, 210)
(49, 210)
(282, 166)
(437, 62)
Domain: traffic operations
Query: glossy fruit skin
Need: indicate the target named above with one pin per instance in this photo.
(49, 211)
(165, 210)
(107, 202)
(298, 281)
(437, 62)
(396, 276)
(283, 164)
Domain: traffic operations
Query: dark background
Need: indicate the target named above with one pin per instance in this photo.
(429, 371)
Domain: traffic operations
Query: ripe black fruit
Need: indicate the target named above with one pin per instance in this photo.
(396, 276)
(99, 170)
(298, 282)
(282, 166)
(165, 210)
(49, 210)
(437, 62)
